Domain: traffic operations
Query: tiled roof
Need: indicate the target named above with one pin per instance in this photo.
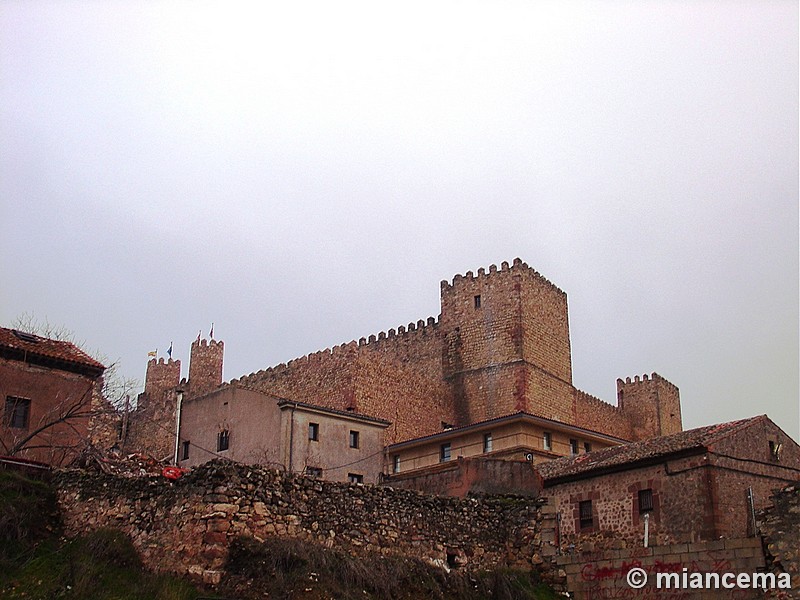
(517, 416)
(333, 411)
(629, 455)
(22, 346)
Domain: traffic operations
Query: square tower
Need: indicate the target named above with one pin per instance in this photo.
(507, 346)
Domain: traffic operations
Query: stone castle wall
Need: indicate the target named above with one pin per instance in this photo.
(187, 526)
(500, 346)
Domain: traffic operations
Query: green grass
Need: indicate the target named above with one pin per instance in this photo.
(37, 563)
(102, 565)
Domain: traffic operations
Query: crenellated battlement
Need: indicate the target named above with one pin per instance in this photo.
(208, 343)
(644, 379)
(517, 266)
(500, 345)
(651, 403)
(161, 375)
(421, 327)
(205, 366)
(588, 398)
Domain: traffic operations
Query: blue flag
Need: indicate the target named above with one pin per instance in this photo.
(169, 352)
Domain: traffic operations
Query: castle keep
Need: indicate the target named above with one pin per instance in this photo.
(500, 346)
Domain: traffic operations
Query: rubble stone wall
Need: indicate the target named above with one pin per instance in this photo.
(779, 526)
(186, 526)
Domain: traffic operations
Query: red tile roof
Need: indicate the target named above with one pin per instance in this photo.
(22, 346)
(632, 454)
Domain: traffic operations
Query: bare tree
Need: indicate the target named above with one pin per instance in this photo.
(76, 420)
(115, 385)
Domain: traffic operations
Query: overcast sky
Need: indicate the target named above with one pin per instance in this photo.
(306, 173)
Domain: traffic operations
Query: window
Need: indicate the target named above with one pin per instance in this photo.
(396, 463)
(478, 301)
(645, 501)
(355, 478)
(573, 447)
(587, 447)
(354, 439)
(313, 432)
(775, 451)
(18, 412)
(314, 472)
(585, 513)
(223, 440)
(185, 451)
(487, 442)
(547, 440)
(444, 453)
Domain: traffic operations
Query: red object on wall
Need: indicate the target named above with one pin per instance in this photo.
(173, 473)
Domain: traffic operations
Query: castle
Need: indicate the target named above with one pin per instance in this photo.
(500, 346)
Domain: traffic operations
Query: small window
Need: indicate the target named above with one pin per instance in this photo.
(18, 412)
(355, 478)
(547, 440)
(314, 472)
(396, 463)
(354, 439)
(487, 442)
(478, 301)
(223, 440)
(587, 447)
(775, 451)
(645, 501)
(444, 453)
(585, 513)
(573, 447)
(313, 432)
(185, 450)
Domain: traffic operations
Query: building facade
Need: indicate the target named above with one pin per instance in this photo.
(50, 390)
(698, 485)
(253, 427)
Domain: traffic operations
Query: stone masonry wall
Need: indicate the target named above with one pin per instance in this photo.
(186, 526)
(395, 376)
(779, 524)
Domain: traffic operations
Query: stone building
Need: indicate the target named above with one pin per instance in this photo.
(49, 390)
(696, 485)
(500, 347)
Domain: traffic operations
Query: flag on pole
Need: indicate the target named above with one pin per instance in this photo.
(199, 333)
(169, 352)
(152, 354)
(211, 333)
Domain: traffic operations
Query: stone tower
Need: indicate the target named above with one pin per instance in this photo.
(205, 366)
(507, 345)
(161, 377)
(652, 405)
